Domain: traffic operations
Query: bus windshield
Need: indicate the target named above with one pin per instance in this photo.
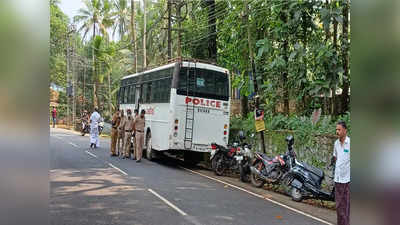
(203, 83)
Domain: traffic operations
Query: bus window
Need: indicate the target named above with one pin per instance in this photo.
(166, 90)
(155, 96)
(126, 94)
(144, 93)
(148, 94)
(132, 94)
(205, 83)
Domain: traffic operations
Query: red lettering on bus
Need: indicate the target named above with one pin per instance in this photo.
(203, 102)
(187, 100)
(213, 103)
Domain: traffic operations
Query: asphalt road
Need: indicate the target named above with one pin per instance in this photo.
(90, 187)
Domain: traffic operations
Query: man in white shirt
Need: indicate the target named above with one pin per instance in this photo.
(341, 158)
(95, 119)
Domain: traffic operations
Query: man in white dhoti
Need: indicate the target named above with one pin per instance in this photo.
(95, 119)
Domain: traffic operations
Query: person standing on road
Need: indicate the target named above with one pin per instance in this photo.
(95, 119)
(341, 158)
(121, 133)
(138, 127)
(136, 112)
(128, 134)
(54, 116)
(116, 119)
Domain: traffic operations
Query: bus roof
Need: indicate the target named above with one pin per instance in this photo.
(184, 64)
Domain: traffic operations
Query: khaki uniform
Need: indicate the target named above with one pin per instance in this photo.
(128, 135)
(114, 131)
(139, 125)
(121, 135)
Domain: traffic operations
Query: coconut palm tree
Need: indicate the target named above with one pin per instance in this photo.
(121, 17)
(95, 17)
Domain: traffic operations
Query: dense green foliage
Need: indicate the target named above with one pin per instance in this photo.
(300, 50)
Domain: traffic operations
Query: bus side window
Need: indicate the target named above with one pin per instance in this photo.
(148, 97)
(119, 96)
(126, 94)
(132, 94)
(144, 93)
(155, 92)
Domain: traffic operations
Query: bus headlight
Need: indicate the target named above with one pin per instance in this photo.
(175, 134)
(225, 139)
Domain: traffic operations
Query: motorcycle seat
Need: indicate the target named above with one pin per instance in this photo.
(266, 157)
(314, 170)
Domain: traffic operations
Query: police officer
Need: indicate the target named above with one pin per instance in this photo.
(138, 126)
(116, 119)
(136, 114)
(128, 134)
(121, 133)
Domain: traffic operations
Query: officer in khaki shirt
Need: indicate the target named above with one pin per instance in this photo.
(138, 127)
(121, 133)
(128, 134)
(114, 131)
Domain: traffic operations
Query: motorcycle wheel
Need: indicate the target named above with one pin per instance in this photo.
(256, 181)
(296, 194)
(219, 166)
(83, 133)
(244, 176)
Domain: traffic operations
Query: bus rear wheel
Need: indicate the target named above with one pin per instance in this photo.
(149, 150)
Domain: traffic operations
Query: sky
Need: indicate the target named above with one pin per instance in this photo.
(71, 7)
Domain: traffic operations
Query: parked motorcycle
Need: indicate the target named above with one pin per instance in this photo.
(305, 182)
(244, 159)
(265, 169)
(224, 158)
(101, 127)
(236, 158)
(85, 129)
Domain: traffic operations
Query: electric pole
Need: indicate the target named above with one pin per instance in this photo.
(178, 5)
(252, 66)
(133, 27)
(169, 5)
(144, 36)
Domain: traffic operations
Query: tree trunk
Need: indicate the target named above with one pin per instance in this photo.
(334, 109)
(95, 103)
(212, 41)
(144, 36)
(133, 30)
(169, 6)
(346, 81)
(109, 94)
(285, 71)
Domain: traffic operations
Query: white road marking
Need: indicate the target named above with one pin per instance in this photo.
(168, 203)
(117, 168)
(91, 154)
(260, 196)
(76, 146)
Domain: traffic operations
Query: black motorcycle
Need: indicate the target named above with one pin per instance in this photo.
(305, 181)
(224, 158)
(265, 169)
(244, 159)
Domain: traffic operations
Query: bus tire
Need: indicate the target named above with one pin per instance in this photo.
(149, 149)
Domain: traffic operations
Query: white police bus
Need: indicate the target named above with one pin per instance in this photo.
(187, 106)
